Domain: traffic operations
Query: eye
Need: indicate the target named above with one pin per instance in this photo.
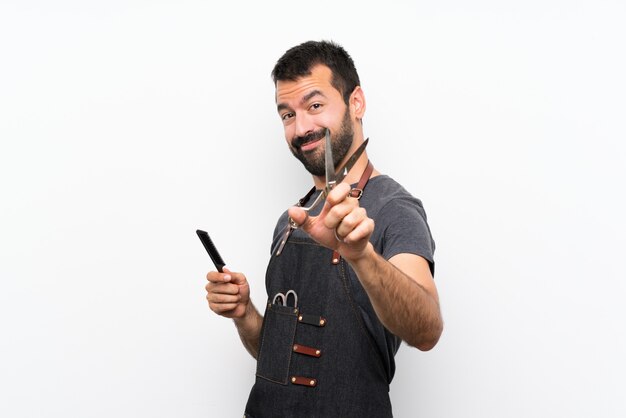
(315, 106)
(286, 116)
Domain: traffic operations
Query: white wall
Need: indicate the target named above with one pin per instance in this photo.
(126, 125)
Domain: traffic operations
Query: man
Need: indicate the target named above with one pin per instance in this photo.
(347, 281)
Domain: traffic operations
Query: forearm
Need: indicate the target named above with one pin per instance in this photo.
(249, 329)
(403, 306)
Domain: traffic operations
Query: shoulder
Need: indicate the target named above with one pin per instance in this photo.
(401, 224)
(384, 196)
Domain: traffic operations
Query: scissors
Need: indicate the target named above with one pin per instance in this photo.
(281, 298)
(332, 177)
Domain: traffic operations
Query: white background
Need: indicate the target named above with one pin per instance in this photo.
(126, 125)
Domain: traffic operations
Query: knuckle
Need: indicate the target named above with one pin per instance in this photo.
(339, 193)
(349, 221)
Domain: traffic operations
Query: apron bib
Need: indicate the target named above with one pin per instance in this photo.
(316, 358)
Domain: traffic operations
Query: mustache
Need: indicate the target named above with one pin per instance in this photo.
(298, 141)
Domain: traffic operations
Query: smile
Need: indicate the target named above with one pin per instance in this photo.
(310, 145)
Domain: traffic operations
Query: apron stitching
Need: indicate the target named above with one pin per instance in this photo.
(359, 319)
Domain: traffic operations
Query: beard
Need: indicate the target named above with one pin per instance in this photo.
(314, 160)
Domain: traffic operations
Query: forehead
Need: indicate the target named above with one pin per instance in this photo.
(319, 79)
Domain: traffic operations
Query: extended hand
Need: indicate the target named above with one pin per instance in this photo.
(342, 225)
(228, 293)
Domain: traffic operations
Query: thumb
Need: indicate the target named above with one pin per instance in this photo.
(235, 278)
(300, 217)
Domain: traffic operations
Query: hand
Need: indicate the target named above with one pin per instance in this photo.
(228, 293)
(342, 225)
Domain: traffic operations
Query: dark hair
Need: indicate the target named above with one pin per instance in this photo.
(298, 61)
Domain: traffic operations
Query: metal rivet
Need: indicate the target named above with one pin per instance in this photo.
(322, 321)
(295, 347)
(312, 382)
(300, 318)
(317, 352)
(293, 380)
(335, 260)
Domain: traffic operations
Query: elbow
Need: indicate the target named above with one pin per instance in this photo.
(428, 341)
(427, 345)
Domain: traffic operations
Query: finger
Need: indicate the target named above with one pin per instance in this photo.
(300, 217)
(338, 213)
(338, 194)
(220, 308)
(224, 288)
(235, 278)
(217, 277)
(362, 232)
(222, 298)
(350, 221)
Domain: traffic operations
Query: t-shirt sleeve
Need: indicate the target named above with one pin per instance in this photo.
(405, 230)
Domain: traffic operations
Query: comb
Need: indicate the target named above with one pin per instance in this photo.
(210, 248)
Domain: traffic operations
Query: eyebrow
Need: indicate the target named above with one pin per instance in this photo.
(305, 98)
(310, 95)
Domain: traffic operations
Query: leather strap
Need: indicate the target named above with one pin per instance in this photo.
(357, 193)
(307, 351)
(365, 177)
(317, 321)
(304, 381)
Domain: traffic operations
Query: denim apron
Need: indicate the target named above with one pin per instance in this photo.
(316, 358)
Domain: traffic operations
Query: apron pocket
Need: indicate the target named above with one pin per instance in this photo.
(279, 330)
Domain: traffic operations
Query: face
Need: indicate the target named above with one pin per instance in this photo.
(307, 106)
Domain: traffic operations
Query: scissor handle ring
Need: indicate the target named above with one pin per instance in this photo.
(282, 302)
(295, 297)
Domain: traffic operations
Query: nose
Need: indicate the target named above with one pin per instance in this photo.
(303, 124)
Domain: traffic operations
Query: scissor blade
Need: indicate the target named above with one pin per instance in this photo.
(343, 171)
(330, 164)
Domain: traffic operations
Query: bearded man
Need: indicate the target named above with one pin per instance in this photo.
(346, 282)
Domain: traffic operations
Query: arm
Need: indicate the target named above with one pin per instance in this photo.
(228, 295)
(401, 290)
(403, 294)
(249, 329)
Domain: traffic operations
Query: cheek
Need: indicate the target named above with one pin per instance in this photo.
(333, 119)
(289, 133)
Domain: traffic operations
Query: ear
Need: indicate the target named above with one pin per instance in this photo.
(357, 103)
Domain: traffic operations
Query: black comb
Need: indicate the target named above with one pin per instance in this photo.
(210, 248)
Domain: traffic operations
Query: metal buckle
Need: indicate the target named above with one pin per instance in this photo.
(355, 193)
